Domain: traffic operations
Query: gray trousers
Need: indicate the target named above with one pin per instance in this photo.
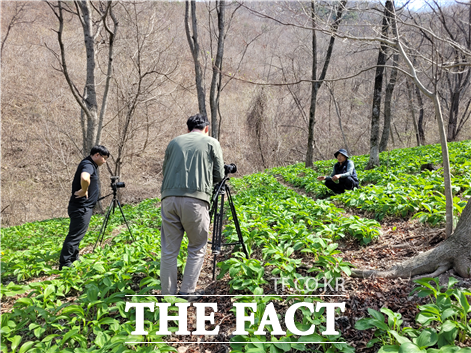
(179, 215)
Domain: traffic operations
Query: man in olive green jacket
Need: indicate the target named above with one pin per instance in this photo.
(193, 163)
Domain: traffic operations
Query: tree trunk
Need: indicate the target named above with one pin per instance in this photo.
(446, 165)
(441, 130)
(412, 111)
(90, 98)
(314, 89)
(389, 92)
(454, 253)
(458, 84)
(215, 89)
(383, 145)
(112, 36)
(458, 78)
(256, 122)
(316, 84)
(420, 122)
(377, 91)
(91, 121)
(195, 52)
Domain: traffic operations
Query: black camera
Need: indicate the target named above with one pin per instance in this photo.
(115, 183)
(230, 168)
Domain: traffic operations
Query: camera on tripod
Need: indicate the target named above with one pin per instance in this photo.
(115, 183)
(220, 191)
(230, 168)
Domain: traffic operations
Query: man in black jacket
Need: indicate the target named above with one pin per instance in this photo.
(343, 177)
(85, 194)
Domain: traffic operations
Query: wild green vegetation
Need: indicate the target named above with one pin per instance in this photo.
(80, 309)
(288, 235)
(398, 187)
(443, 321)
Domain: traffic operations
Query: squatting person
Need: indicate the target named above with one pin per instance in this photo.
(85, 193)
(344, 176)
(193, 163)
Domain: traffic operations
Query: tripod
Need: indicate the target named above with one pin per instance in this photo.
(220, 190)
(111, 207)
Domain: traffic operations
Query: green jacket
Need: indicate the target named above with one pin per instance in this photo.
(193, 163)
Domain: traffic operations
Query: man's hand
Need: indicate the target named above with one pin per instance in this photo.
(84, 183)
(320, 178)
(81, 193)
(336, 177)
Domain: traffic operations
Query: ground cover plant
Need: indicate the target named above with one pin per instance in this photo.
(288, 235)
(80, 309)
(293, 237)
(443, 322)
(401, 186)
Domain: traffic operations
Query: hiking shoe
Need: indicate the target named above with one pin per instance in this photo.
(191, 297)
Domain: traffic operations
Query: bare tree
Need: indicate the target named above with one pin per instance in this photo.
(216, 84)
(94, 31)
(143, 68)
(217, 32)
(388, 97)
(194, 43)
(454, 22)
(317, 82)
(18, 17)
(378, 86)
(412, 111)
(256, 123)
(454, 252)
(420, 121)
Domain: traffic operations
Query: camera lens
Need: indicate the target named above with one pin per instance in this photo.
(230, 168)
(120, 184)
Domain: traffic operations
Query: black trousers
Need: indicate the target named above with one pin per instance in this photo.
(344, 184)
(79, 221)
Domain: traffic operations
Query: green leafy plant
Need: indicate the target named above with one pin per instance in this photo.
(443, 322)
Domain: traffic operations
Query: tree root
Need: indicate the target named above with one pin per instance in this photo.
(454, 252)
(438, 272)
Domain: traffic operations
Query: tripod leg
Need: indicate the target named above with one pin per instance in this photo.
(236, 222)
(217, 229)
(214, 267)
(125, 221)
(104, 225)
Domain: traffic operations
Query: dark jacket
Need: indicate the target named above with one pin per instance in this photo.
(89, 166)
(347, 169)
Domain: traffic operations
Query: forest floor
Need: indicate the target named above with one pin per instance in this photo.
(399, 240)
